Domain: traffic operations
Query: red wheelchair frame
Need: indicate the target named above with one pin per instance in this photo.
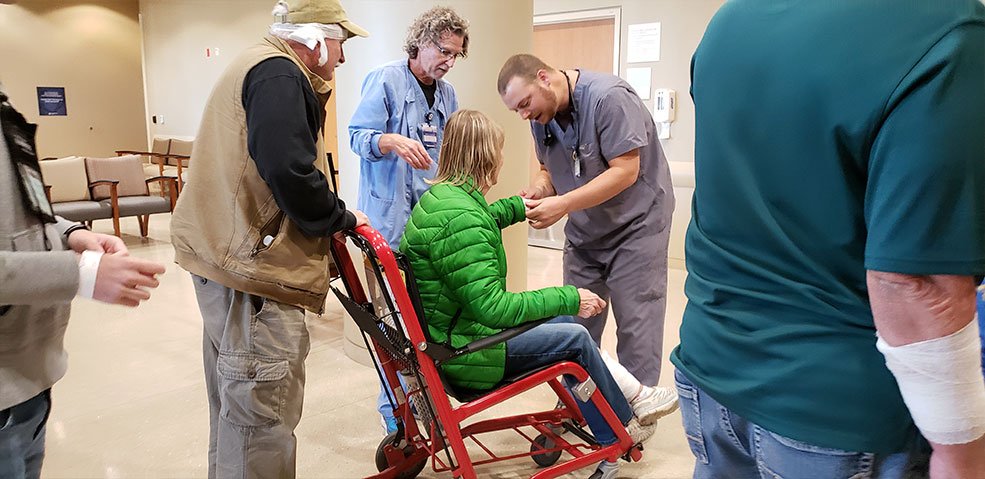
(400, 343)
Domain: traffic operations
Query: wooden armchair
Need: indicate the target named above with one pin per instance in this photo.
(158, 152)
(132, 197)
(170, 155)
(70, 191)
(179, 155)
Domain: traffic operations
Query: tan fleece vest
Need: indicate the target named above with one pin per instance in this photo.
(226, 210)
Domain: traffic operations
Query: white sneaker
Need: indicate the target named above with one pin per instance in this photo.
(653, 403)
(605, 470)
(638, 432)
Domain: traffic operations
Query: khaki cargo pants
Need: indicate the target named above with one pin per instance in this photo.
(254, 351)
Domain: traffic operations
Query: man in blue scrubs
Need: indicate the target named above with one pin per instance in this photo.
(602, 165)
(398, 126)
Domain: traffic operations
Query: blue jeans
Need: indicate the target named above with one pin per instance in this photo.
(727, 445)
(22, 430)
(561, 339)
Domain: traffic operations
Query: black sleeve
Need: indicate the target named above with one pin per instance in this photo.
(283, 121)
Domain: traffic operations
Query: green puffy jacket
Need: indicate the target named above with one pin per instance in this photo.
(455, 245)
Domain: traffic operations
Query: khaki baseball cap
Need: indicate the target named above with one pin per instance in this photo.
(322, 11)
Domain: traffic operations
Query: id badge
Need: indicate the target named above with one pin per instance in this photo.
(429, 135)
(33, 188)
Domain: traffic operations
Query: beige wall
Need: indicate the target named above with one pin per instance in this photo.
(682, 24)
(179, 74)
(92, 49)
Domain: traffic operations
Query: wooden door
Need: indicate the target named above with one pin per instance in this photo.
(583, 44)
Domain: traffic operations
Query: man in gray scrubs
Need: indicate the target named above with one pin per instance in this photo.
(602, 165)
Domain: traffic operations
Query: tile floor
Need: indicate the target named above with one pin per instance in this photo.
(133, 402)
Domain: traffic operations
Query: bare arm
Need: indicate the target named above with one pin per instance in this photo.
(540, 187)
(622, 173)
(908, 309)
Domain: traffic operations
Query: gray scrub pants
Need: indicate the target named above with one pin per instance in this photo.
(632, 278)
(254, 351)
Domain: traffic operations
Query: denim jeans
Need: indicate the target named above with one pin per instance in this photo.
(561, 339)
(22, 429)
(727, 445)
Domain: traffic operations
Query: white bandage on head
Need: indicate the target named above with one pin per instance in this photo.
(310, 35)
(942, 385)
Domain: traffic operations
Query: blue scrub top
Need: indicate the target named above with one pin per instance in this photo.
(392, 102)
(609, 120)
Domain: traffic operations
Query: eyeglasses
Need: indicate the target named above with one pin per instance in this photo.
(448, 54)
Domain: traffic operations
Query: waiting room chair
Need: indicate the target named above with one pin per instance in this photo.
(133, 195)
(70, 191)
(178, 156)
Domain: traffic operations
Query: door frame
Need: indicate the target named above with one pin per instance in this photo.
(615, 13)
(553, 236)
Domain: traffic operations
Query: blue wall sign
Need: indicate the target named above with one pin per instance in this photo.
(51, 101)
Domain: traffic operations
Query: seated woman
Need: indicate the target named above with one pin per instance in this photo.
(455, 246)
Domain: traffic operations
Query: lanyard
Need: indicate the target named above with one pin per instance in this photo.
(19, 135)
(575, 155)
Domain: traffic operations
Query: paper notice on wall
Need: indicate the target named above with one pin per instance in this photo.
(644, 43)
(639, 79)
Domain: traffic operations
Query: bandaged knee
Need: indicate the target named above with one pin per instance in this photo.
(627, 383)
(942, 385)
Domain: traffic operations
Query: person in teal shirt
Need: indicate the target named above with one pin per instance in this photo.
(840, 169)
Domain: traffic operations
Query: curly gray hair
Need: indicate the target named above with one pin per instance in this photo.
(433, 23)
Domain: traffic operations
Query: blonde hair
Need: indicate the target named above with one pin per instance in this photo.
(470, 150)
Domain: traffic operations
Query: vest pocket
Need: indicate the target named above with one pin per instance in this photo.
(268, 233)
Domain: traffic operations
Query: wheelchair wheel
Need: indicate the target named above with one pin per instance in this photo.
(382, 463)
(544, 459)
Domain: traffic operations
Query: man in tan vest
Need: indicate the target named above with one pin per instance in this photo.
(253, 228)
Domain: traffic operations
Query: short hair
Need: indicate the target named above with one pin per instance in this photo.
(523, 65)
(470, 150)
(433, 23)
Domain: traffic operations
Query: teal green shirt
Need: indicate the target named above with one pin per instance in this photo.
(833, 137)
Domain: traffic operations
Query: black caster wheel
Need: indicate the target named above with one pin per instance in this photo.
(382, 463)
(544, 459)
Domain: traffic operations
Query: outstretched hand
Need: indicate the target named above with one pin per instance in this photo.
(125, 280)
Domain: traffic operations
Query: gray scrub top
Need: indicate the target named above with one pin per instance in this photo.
(609, 120)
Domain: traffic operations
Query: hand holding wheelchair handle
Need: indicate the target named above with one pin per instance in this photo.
(361, 219)
(590, 305)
